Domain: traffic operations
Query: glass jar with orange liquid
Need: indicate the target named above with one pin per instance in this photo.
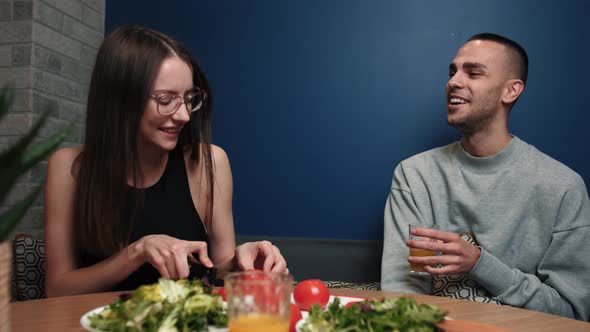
(258, 301)
(415, 267)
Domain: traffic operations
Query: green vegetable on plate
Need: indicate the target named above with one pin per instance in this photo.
(400, 314)
(169, 305)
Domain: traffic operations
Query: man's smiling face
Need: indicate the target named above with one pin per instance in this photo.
(477, 78)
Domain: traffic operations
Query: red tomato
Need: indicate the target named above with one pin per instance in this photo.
(310, 292)
(221, 292)
(295, 317)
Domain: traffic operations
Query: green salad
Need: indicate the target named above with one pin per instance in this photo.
(400, 315)
(169, 305)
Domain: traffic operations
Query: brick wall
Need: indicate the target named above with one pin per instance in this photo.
(47, 50)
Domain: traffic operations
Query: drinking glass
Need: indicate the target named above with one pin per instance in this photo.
(258, 301)
(415, 267)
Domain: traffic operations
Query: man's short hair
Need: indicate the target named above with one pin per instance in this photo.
(518, 56)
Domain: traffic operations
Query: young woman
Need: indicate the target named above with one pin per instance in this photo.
(147, 195)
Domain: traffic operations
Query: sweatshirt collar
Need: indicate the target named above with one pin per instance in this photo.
(493, 163)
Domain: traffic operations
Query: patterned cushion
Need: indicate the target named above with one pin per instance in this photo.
(460, 286)
(29, 267)
(353, 285)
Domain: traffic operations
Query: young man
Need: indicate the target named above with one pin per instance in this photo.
(514, 223)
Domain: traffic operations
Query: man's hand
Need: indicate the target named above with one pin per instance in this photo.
(457, 256)
(261, 255)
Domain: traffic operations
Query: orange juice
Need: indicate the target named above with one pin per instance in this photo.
(419, 252)
(258, 323)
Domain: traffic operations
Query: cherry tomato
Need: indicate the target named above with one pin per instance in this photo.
(295, 317)
(221, 292)
(310, 292)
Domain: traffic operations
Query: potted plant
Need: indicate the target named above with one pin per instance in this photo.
(14, 161)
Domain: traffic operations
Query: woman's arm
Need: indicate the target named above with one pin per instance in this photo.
(221, 234)
(168, 255)
(62, 275)
(261, 255)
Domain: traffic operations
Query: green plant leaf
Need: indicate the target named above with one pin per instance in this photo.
(11, 159)
(18, 159)
(25, 159)
(6, 98)
(10, 218)
(41, 150)
(12, 155)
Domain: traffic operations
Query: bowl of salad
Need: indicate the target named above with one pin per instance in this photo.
(189, 305)
(169, 305)
(394, 314)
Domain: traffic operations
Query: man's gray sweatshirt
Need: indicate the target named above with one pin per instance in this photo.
(529, 213)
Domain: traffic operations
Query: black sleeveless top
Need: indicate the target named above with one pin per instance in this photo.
(164, 208)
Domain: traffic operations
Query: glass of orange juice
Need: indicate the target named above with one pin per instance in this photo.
(415, 267)
(258, 301)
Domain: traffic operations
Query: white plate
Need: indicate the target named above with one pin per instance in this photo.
(343, 301)
(85, 322)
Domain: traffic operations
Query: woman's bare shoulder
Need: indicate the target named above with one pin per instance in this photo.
(63, 159)
(66, 155)
(218, 154)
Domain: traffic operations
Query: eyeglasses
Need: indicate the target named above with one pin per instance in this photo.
(169, 103)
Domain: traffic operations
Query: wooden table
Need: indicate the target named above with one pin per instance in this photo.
(63, 313)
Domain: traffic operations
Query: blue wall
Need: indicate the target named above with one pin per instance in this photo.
(317, 101)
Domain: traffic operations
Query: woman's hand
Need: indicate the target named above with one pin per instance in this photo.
(261, 255)
(170, 256)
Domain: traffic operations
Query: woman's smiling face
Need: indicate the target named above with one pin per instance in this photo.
(161, 131)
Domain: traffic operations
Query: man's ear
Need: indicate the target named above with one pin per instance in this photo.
(512, 90)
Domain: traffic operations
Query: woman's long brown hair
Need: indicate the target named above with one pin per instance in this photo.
(126, 66)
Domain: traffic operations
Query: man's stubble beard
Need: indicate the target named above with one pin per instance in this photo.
(482, 114)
